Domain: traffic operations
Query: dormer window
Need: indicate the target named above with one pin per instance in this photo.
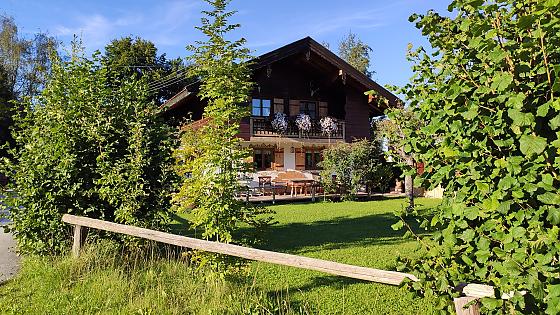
(260, 107)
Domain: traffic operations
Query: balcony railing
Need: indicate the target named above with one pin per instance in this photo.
(262, 127)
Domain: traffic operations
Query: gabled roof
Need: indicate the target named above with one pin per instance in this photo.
(309, 44)
(303, 45)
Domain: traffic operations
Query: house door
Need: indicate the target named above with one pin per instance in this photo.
(262, 159)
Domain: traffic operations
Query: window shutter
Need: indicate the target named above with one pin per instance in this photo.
(278, 159)
(294, 107)
(278, 105)
(300, 159)
(323, 109)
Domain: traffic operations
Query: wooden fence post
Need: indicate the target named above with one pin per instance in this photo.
(79, 233)
(460, 303)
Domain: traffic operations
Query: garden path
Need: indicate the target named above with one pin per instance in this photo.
(9, 260)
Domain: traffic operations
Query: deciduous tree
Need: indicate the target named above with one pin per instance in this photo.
(211, 157)
(489, 97)
(137, 57)
(85, 148)
(355, 52)
(24, 69)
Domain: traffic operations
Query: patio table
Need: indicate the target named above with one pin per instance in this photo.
(300, 182)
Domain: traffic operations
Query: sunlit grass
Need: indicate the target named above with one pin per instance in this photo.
(357, 233)
(105, 280)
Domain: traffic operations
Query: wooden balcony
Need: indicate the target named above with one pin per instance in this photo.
(262, 127)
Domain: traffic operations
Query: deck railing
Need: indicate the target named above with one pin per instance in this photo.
(262, 127)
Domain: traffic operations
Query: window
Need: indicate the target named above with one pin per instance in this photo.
(262, 159)
(309, 108)
(260, 107)
(312, 158)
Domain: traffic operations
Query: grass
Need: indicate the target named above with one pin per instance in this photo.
(357, 233)
(106, 281)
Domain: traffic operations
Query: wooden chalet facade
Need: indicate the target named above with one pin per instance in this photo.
(301, 77)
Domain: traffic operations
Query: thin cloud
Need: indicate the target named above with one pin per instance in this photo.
(164, 24)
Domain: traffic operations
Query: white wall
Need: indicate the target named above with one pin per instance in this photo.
(289, 158)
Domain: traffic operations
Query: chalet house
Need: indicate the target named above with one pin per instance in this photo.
(303, 77)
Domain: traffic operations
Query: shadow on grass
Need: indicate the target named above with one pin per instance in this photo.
(340, 232)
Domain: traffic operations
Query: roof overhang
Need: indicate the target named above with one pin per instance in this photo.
(304, 45)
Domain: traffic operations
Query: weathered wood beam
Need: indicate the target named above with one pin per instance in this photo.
(79, 233)
(356, 272)
(460, 303)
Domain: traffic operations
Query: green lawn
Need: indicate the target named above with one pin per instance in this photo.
(106, 281)
(357, 233)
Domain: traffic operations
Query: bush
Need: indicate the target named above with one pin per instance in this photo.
(87, 149)
(354, 165)
(489, 98)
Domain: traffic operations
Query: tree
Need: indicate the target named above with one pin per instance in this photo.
(24, 69)
(356, 53)
(85, 148)
(393, 130)
(211, 158)
(137, 57)
(489, 99)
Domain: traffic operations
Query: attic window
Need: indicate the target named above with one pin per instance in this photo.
(260, 107)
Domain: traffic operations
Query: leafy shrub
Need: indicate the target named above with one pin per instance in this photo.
(354, 165)
(489, 95)
(87, 149)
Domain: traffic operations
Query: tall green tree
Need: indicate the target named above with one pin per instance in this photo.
(356, 53)
(489, 97)
(86, 148)
(212, 156)
(24, 69)
(139, 58)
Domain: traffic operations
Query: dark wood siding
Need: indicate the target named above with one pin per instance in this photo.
(357, 115)
(245, 129)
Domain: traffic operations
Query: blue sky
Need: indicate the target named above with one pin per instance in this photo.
(265, 24)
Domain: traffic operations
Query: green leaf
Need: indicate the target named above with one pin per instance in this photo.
(501, 81)
(542, 110)
(518, 231)
(491, 303)
(482, 256)
(552, 3)
(398, 225)
(470, 114)
(554, 123)
(553, 215)
(506, 182)
(468, 235)
(549, 198)
(516, 101)
(519, 118)
(532, 145)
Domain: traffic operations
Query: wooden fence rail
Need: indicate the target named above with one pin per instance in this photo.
(473, 291)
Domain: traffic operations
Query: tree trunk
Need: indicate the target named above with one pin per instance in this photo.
(409, 183)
